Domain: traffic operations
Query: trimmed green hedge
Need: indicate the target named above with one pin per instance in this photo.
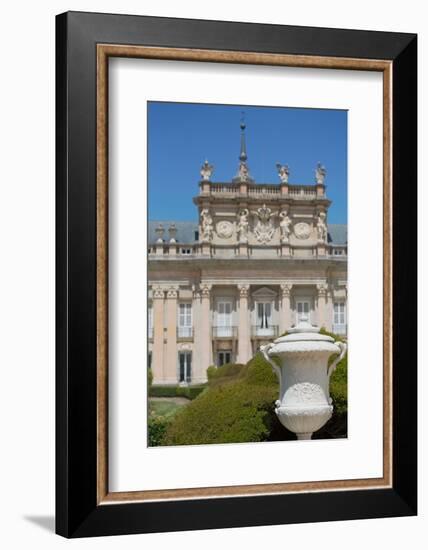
(191, 392)
(236, 411)
(238, 406)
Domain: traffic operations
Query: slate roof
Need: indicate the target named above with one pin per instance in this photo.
(337, 233)
(187, 232)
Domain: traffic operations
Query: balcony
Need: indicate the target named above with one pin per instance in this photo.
(184, 333)
(150, 333)
(263, 333)
(225, 333)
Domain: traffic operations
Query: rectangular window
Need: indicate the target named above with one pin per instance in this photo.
(224, 357)
(185, 367)
(264, 310)
(224, 318)
(339, 313)
(185, 320)
(302, 311)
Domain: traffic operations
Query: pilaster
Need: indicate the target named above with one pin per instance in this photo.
(244, 337)
(322, 301)
(171, 335)
(158, 335)
(285, 312)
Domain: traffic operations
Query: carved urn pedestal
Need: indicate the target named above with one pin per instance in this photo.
(304, 404)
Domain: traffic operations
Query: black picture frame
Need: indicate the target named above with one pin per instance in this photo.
(77, 512)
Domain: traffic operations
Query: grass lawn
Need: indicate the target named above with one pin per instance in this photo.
(164, 407)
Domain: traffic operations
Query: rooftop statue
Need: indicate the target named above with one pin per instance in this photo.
(320, 173)
(207, 170)
(283, 172)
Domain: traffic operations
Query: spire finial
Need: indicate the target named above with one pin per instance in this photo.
(243, 154)
(243, 171)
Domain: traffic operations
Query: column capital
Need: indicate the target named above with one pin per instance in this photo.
(322, 289)
(172, 292)
(158, 292)
(243, 290)
(286, 289)
(196, 292)
(205, 289)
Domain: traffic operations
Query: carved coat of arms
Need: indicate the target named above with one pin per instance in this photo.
(264, 228)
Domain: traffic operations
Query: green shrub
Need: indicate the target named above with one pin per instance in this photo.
(227, 372)
(149, 378)
(191, 392)
(239, 409)
(157, 427)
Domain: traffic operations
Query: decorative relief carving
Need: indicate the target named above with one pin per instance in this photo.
(264, 228)
(224, 229)
(207, 228)
(242, 226)
(302, 230)
(305, 392)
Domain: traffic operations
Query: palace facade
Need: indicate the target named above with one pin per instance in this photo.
(261, 257)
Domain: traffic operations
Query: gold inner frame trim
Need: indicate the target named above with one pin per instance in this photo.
(104, 51)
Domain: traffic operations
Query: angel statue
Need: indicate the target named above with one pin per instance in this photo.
(283, 172)
(320, 173)
(242, 226)
(206, 226)
(322, 227)
(206, 171)
(285, 224)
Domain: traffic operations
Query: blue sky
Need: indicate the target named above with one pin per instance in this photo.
(181, 136)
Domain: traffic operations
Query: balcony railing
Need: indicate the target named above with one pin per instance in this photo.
(340, 329)
(268, 332)
(224, 332)
(302, 191)
(184, 333)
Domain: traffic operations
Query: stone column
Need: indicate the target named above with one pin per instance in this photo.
(205, 328)
(158, 336)
(171, 336)
(244, 336)
(285, 317)
(322, 300)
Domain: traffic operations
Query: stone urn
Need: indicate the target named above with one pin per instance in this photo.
(304, 403)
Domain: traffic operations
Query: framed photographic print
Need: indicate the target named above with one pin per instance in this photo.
(236, 274)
